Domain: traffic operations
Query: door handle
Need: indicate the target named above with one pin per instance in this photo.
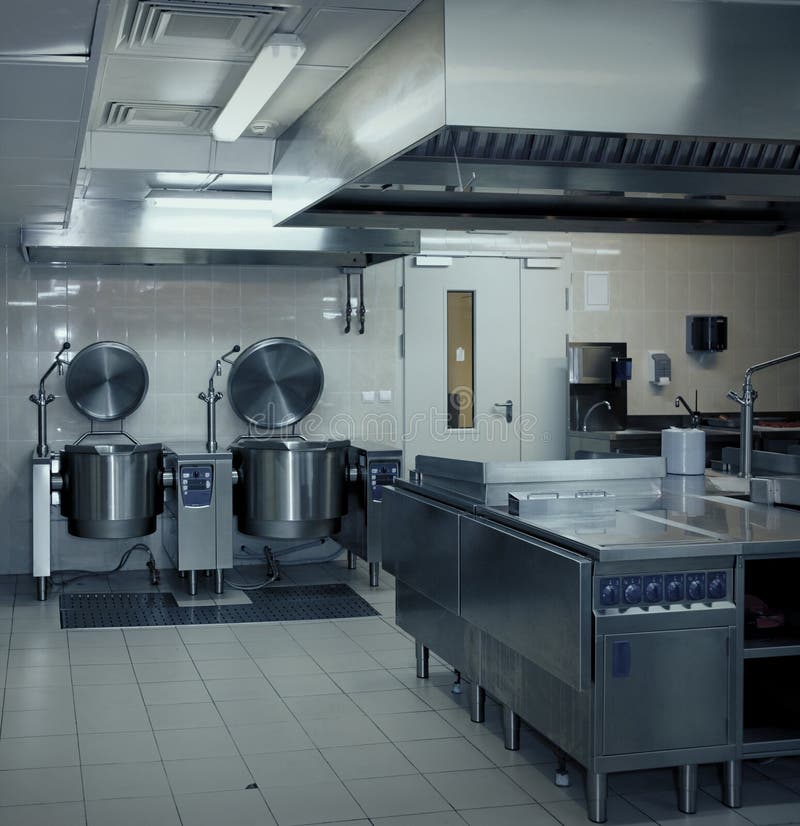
(509, 406)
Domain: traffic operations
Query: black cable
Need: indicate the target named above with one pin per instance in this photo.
(81, 574)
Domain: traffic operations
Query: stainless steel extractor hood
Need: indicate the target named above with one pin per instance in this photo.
(631, 115)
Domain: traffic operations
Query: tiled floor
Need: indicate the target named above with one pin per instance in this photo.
(317, 722)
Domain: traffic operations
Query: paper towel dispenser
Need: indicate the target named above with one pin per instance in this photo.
(706, 333)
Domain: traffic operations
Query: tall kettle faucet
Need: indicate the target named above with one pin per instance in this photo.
(590, 411)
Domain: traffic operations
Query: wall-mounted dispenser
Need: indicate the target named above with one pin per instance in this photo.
(706, 333)
(659, 368)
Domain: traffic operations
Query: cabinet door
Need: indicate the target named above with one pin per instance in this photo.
(665, 690)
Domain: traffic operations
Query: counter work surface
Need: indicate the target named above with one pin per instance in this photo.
(692, 517)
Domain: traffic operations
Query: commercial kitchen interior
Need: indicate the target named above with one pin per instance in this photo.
(677, 186)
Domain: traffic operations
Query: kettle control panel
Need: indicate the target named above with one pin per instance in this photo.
(382, 473)
(642, 590)
(197, 485)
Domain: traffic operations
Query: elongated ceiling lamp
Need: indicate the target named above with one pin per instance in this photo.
(272, 66)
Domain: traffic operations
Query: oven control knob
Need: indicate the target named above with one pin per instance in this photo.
(695, 589)
(609, 594)
(716, 587)
(675, 590)
(652, 593)
(633, 593)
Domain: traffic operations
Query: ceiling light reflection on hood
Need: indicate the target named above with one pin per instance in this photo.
(252, 202)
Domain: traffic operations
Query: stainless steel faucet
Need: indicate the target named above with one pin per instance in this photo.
(211, 397)
(42, 399)
(747, 400)
(694, 420)
(590, 410)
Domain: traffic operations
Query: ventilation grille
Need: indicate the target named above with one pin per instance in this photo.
(159, 117)
(195, 29)
(614, 150)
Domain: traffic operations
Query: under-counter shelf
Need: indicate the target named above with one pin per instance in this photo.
(770, 741)
(773, 647)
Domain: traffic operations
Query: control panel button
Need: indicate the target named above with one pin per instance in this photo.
(674, 587)
(653, 588)
(609, 591)
(696, 586)
(717, 585)
(632, 590)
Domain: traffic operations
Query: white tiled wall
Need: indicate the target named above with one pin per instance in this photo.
(655, 281)
(179, 319)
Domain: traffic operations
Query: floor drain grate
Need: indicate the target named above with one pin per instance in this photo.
(278, 604)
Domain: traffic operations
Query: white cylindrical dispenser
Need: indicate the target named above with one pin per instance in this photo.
(684, 450)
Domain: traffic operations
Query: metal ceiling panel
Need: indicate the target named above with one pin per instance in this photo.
(45, 171)
(41, 27)
(38, 138)
(34, 204)
(339, 37)
(50, 91)
(162, 80)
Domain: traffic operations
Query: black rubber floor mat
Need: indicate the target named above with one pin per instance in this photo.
(276, 604)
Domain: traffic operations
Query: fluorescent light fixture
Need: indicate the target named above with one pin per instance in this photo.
(276, 59)
(241, 181)
(175, 199)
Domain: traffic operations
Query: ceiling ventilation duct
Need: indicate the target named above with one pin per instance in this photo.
(660, 115)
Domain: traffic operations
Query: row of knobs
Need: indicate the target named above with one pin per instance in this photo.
(653, 591)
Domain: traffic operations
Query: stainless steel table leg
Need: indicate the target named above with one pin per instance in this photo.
(422, 660)
(192, 585)
(596, 796)
(351, 561)
(732, 783)
(477, 703)
(219, 581)
(687, 788)
(510, 729)
(374, 570)
(41, 588)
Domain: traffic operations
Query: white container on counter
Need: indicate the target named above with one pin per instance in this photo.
(685, 450)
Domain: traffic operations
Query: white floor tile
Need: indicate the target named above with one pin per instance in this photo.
(362, 762)
(165, 672)
(318, 707)
(528, 815)
(207, 774)
(170, 653)
(620, 813)
(38, 639)
(34, 698)
(39, 723)
(304, 685)
(103, 674)
(184, 744)
(538, 781)
(152, 636)
(236, 808)
(188, 691)
(63, 814)
(288, 666)
(769, 803)
(378, 680)
(38, 675)
(118, 747)
(246, 688)
(264, 710)
(124, 780)
(319, 802)
(414, 725)
(388, 702)
(39, 752)
(230, 650)
(227, 669)
(184, 715)
(91, 637)
(478, 787)
(444, 755)
(146, 811)
(354, 730)
(295, 769)
(204, 634)
(85, 655)
(54, 785)
(403, 795)
(269, 738)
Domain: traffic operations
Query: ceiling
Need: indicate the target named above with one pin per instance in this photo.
(665, 116)
(100, 98)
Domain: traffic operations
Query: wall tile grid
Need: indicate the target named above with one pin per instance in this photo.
(656, 281)
(179, 319)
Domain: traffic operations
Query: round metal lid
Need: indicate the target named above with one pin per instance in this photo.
(106, 381)
(275, 383)
(295, 443)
